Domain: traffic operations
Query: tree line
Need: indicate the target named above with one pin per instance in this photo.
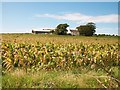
(84, 30)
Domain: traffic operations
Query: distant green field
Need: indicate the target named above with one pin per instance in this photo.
(59, 61)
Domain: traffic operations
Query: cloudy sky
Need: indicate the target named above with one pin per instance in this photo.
(24, 16)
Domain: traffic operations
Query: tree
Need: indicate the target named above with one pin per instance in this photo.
(92, 26)
(61, 29)
(87, 30)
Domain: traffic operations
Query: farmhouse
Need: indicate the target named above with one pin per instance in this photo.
(42, 31)
(73, 32)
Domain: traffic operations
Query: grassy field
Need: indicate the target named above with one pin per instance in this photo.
(52, 61)
(59, 39)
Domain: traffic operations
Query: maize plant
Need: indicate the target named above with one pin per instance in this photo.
(55, 56)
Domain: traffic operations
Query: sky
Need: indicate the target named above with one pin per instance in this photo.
(22, 17)
(60, 0)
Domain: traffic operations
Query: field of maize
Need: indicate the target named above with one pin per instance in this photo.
(60, 54)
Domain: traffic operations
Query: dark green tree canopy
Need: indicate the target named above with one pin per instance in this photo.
(61, 29)
(87, 30)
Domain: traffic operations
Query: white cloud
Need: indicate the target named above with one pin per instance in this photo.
(78, 17)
